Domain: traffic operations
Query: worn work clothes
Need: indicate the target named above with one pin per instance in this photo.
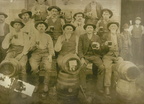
(83, 48)
(111, 56)
(4, 30)
(126, 51)
(43, 49)
(65, 47)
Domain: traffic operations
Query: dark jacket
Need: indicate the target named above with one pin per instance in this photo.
(83, 44)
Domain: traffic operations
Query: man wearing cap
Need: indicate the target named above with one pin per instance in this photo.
(110, 48)
(92, 12)
(42, 55)
(55, 22)
(66, 43)
(39, 10)
(16, 45)
(102, 23)
(137, 30)
(79, 23)
(89, 51)
(4, 30)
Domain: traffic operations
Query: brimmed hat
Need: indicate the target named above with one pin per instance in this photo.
(17, 21)
(1, 13)
(94, 26)
(138, 18)
(112, 23)
(54, 7)
(111, 13)
(41, 22)
(69, 25)
(23, 11)
(78, 13)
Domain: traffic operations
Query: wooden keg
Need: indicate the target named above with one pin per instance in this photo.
(127, 70)
(125, 89)
(10, 67)
(67, 86)
(65, 64)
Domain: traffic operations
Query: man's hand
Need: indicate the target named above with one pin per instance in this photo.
(18, 57)
(83, 61)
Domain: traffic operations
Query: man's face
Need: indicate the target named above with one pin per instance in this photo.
(54, 12)
(25, 16)
(137, 22)
(68, 30)
(41, 28)
(113, 27)
(17, 26)
(2, 18)
(79, 17)
(41, 1)
(89, 29)
(106, 15)
(93, 2)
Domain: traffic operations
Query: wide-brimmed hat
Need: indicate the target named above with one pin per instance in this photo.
(17, 21)
(5, 15)
(54, 7)
(69, 25)
(41, 22)
(37, 0)
(85, 26)
(112, 23)
(78, 13)
(23, 11)
(108, 10)
(138, 18)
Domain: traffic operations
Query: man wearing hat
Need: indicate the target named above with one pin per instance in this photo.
(16, 45)
(55, 22)
(66, 43)
(4, 30)
(93, 12)
(79, 23)
(102, 23)
(137, 30)
(89, 51)
(39, 10)
(111, 45)
(42, 55)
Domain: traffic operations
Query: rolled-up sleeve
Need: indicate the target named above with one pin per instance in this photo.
(50, 46)
(6, 42)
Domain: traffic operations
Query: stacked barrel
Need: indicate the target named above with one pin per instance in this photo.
(68, 77)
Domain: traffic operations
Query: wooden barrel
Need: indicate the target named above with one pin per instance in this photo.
(67, 86)
(125, 89)
(65, 63)
(127, 70)
(10, 67)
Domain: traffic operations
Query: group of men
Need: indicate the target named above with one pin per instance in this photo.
(52, 36)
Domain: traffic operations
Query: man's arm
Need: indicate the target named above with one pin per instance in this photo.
(80, 46)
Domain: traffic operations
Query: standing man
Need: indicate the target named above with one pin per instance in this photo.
(4, 30)
(92, 12)
(88, 51)
(55, 22)
(79, 23)
(111, 47)
(102, 23)
(137, 30)
(42, 55)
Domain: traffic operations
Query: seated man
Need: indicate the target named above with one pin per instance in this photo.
(42, 55)
(111, 48)
(89, 50)
(66, 43)
(15, 42)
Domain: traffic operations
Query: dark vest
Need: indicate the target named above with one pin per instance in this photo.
(137, 32)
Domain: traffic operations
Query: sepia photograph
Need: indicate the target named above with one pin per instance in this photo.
(71, 51)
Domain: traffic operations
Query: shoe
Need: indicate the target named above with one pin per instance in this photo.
(23, 96)
(45, 89)
(36, 89)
